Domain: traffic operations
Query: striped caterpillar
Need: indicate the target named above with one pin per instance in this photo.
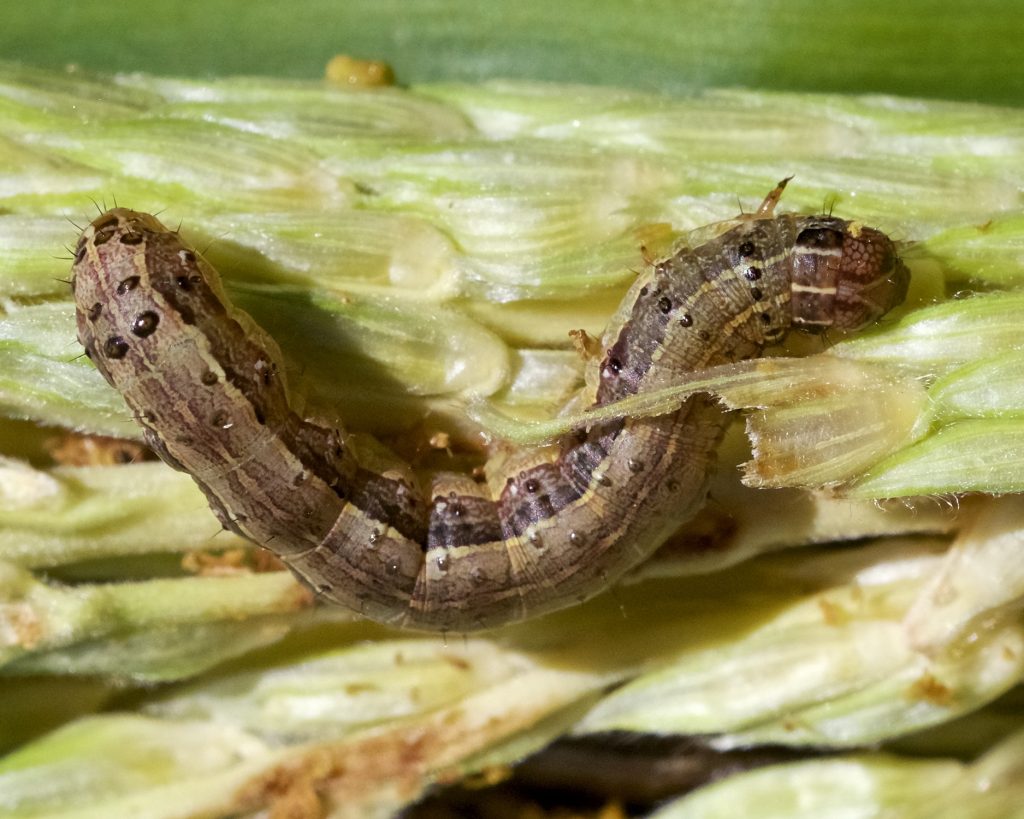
(564, 522)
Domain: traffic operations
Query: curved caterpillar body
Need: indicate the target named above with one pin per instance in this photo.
(565, 522)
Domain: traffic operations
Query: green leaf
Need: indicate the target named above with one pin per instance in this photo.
(937, 48)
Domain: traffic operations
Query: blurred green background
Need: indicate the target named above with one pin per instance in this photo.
(932, 48)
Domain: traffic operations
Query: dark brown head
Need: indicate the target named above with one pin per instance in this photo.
(845, 275)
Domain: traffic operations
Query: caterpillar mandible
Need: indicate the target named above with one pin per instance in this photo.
(206, 384)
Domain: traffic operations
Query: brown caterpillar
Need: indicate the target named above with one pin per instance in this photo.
(206, 385)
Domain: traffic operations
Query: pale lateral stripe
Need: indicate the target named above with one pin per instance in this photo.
(818, 251)
(822, 322)
(808, 288)
(735, 272)
(760, 264)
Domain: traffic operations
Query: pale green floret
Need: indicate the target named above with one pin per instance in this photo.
(865, 785)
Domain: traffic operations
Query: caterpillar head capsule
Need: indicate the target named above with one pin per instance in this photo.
(845, 275)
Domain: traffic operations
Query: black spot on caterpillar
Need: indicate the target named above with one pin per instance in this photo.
(205, 383)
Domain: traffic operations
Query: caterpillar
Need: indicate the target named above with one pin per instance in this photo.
(565, 521)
